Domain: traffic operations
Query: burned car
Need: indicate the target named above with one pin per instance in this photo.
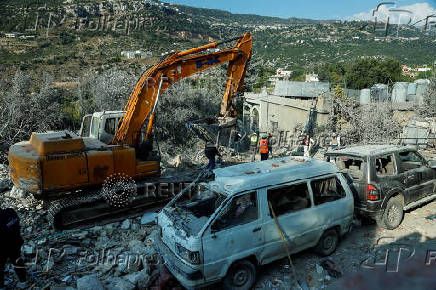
(386, 179)
(227, 227)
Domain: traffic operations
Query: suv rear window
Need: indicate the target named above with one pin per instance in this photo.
(351, 165)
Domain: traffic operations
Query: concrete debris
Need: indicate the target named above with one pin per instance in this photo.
(139, 279)
(148, 218)
(125, 225)
(117, 283)
(90, 282)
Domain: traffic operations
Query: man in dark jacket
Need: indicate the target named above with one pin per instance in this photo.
(10, 244)
(210, 151)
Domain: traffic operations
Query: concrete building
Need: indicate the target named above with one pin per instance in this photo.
(288, 109)
(312, 77)
(136, 54)
(280, 75)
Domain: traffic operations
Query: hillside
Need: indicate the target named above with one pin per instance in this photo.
(75, 27)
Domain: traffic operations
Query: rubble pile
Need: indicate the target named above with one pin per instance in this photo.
(118, 255)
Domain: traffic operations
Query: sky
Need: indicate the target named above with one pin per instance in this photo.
(314, 9)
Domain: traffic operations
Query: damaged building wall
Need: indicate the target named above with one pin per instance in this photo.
(271, 113)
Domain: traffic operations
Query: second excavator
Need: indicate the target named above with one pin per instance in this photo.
(114, 151)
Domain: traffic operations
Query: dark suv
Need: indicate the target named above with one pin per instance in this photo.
(386, 179)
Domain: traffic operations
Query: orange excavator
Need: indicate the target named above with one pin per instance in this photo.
(69, 171)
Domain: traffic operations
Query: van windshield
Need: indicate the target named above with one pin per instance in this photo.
(193, 209)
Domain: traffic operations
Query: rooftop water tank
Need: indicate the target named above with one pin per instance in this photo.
(421, 87)
(365, 96)
(399, 92)
(379, 92)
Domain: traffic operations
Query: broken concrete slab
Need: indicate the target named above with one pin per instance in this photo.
(90, 282)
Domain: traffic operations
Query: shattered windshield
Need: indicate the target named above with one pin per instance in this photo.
(193, 209)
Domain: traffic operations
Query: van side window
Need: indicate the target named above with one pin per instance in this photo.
(327, 190)
(410, 160)
(384, 165)
(242, 210)
(110, 125)
(290, 198)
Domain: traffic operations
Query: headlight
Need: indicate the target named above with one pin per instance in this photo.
(192, 257)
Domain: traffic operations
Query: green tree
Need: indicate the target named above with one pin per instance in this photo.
(365, 72)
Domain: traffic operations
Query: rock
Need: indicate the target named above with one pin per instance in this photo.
(49, 264)
(319, 269)
(28, 250)
(126, 224)
(90, 282)
(139, 279)
(96, 228)
(41, 242)
(80, 235)
(133, 263)
(71, 250)
(67, 279)
(5, 184)
(117, 283)
(17, 193)
(148, 218)
(103, 243)
(21, 285)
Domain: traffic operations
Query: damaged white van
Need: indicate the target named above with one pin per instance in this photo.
(226, 228)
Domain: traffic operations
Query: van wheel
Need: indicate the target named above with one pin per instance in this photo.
(327, 243)
(241, 276)
(393, 214)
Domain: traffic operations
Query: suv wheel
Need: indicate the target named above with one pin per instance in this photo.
(393, 214)
(327, 243)
(241, 276)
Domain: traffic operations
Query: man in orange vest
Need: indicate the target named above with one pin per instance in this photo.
(264, 147)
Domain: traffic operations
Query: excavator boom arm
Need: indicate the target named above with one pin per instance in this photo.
(157, 79)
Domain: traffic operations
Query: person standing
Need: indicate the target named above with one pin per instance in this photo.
(264, 147)
(334, 143)
(307, 145)
(270, 144)
(211, 151)
(253, 146)
(10, 244)
(236, 140)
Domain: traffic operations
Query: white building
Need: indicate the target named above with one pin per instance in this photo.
(136, 54)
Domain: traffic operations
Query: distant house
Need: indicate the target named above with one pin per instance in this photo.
(136, 54)
(312, 77)
(280, 75)
(11, 35)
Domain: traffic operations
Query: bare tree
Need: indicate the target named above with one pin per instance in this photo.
(23, 112)
(428, 108)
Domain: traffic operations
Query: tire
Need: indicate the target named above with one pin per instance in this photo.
(241, 276)
(327, 243)
(393, 214)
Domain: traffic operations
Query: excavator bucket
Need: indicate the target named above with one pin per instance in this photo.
(216, 130)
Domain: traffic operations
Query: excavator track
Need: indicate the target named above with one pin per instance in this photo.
(90, 207)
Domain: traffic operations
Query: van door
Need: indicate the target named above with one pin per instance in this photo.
(293, 207)
(235, 234)
(333, 206)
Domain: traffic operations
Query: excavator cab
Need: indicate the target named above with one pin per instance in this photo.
(101, 125)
